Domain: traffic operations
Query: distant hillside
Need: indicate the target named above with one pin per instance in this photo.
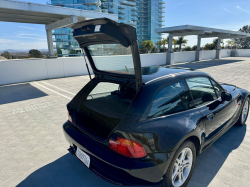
(19, 51)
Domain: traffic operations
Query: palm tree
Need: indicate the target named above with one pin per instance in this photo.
(174, 42)
(159, 44)
(148, 45)
(215, 42)
(164, 42)
(231, 43)
(180, 41)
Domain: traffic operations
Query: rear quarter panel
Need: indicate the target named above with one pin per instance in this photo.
(162, 134)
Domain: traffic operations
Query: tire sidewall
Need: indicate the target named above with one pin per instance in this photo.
(168, 175)
(243, 122)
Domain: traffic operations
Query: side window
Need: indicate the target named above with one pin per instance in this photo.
(201, 89)
(171, 99)
(217, 88)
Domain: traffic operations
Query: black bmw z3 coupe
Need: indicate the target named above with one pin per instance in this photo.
(144, 126)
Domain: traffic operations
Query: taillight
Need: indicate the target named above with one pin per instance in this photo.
(127, 148)
(70, 119)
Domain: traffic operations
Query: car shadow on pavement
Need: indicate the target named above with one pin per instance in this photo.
(205, 63)
(68, 171)
(210, 161)
(19, 92)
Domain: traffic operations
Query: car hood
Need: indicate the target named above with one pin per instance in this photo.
(228, 87)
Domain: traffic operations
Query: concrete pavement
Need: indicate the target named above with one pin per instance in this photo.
(33, 150)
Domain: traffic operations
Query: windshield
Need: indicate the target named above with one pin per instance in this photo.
(112, 58)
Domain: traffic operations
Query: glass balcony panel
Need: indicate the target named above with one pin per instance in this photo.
(129, 3)
(92, 2)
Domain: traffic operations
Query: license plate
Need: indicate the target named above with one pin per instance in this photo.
(83, 157)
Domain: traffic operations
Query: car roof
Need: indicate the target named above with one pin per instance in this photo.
(155, 73)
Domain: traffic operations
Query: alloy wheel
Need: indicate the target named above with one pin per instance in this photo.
(182, 167)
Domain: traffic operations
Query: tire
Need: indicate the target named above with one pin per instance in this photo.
(244, 113)
(167, 178)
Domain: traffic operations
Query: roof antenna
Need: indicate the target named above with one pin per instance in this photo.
(87, 67)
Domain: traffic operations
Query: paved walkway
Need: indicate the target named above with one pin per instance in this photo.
(33, 151)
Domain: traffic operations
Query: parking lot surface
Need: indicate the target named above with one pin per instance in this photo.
(33, 150)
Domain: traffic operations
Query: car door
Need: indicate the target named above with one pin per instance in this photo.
(112, 50)
(216, 114)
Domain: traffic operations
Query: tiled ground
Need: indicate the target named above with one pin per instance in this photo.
(33, 151)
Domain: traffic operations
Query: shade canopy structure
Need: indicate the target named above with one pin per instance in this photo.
(201, 32)
(53, 17)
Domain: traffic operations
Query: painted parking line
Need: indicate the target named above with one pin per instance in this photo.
(58, 88)
(53, 91)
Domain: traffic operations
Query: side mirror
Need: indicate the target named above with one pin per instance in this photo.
(226, 96)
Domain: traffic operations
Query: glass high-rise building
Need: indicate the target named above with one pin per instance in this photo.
(145, 15)
(151, 16)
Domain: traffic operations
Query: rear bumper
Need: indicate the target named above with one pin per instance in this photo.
(115, 168)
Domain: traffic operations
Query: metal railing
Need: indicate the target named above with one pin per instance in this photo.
(124, 2)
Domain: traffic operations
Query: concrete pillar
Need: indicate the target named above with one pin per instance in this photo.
(198, 54)
(218, 54)
(170, 53)
(50, 43)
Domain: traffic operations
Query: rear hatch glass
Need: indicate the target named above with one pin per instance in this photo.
(113, 58)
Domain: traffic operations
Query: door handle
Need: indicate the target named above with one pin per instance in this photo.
(210, 116)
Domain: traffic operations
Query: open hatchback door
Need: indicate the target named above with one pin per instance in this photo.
(112, 50)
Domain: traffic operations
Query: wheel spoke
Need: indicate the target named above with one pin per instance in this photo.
(180, 176)
(175, 175)
(187, 165)
(183, 155)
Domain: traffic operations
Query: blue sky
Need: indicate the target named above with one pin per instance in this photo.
(223, 14)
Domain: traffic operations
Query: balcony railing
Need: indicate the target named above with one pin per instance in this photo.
(104, 6)
(161, 11)
(121, 7)
(143, 2)
(134, 9)
(93, 2)
(161, 7)
(62, 32)
(121, 12)
(134, 14)
(57, 3)
(161, 2)
(123, 2)
(111, 10)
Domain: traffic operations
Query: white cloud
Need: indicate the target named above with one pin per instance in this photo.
(24, 45)
(31, 28)
(230, 11)
(244, 10)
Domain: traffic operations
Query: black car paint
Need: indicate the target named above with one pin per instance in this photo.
(159, 138)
